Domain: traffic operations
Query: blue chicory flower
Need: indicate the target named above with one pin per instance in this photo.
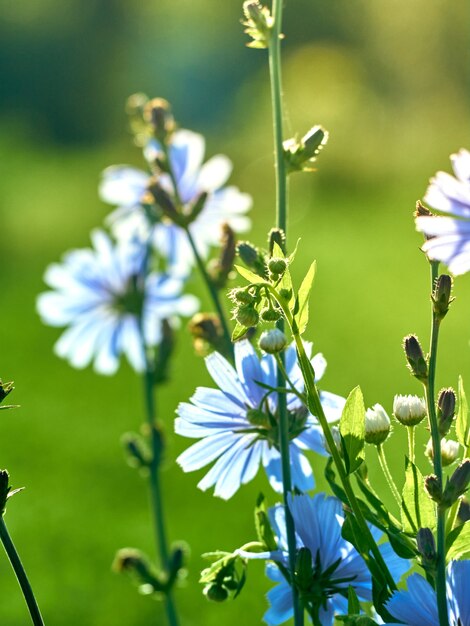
(418, 605)
(126, 187)
(237, 423)
(336, 563)
(449, 235)
(102, 296)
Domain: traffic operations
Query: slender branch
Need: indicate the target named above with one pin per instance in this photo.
(214, 295)
(437, 461)
(387, 474)
(411, 443)
(21, 576)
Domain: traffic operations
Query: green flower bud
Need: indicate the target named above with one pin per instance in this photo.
(441, 295)
(445, 410)
(5, 389)
(286, 294)
(426, 546)
(257, 417)
(269, 314)
(377, 427)
(215, 592)
(243, 296)
(248, 253)
(273, 341)
(464, 511)
(433, 486)
(457, 484)
(276, 235)
(157, 113)
(246, 315)
(277, 265)
(416, 361)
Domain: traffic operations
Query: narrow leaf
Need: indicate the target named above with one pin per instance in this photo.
(249, 275)
(352, 429)
(239, 331)
(354, 607)
(417, 508)
(302, 298)
(462, 425)
(263, 527)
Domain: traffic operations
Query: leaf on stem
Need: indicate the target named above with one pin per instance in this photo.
(301, 304)
(462, 425)
(417, 508)
(352, 429)
(263, 527)
(249, 275)
(458, 542)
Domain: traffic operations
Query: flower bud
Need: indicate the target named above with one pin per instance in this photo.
(286, 294)
(441, 295)
(257, 417)
(258, 22)
(164, 201)
(409, 410)
(157, 113)
(269, 314)
(277, 265)
(421, 210)
(464, 511)
(426, 546)
(246, 315)
(449, 451)
(196, 207)
(445, 410)
(377, 425)
(4, 489)
(206, 332)
(215, 592)
(457, 484)
(415, 357)
(276, 235)
(272, 341)
(252, 257)
(301, 155)
(433, 486)
(5, 389)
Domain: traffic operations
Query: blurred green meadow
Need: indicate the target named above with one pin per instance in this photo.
(390, 83)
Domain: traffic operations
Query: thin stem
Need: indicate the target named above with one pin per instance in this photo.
(281, 222)
(213, 293)
(388, 475)
(411, 443)
(21, 576)
(437, 461)
(316, 409)
(155, 486)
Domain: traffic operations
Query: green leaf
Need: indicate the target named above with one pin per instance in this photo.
(239, 331)
(459, 543)
(278, 251)
(354, 607)
(301, 306)
(263, 527)
(351, 531)
(352, 429)
(462, 425)
(250, 276)
(417, 508)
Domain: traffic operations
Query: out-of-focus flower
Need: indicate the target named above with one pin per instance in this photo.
(335, 563)
(237, 424)
(418, 605)
(127, 188)
(449, 236)
(449, 451)
(103, 297)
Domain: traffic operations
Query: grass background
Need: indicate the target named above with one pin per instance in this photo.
(391, 85)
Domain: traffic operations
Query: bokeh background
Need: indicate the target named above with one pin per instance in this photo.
(390, 82)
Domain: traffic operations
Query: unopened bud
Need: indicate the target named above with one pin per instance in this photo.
(5, 389)
(286, 294)
(206, 331)
(426, 546)
(246, 315)
(415, 357)
(241, 295)
(219, 269)
(273, 341)
(252, 257)
(409, 410)
(421, 210)
(215, 592)
(278, 236)
(377, 427)
(449, 451)
(445, 410)
(464, 511)
(196, 207)
(269, 314)
(157, 113)
(433, 486)
(441, 295)
(277, 265)
(457, 484)
(257, 417)
(163, 200)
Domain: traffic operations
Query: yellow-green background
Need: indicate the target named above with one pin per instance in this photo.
(390, 82)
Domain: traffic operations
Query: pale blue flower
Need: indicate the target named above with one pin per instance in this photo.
(242, 438)
(126, 187)
(99, 294)
(318, 523)
(449, 235)
(418, 605)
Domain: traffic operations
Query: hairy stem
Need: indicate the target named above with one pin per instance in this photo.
(388, 475)
(21, 576)
(411, 443)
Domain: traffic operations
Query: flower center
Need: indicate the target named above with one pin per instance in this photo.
(266, 424)
(132, 300)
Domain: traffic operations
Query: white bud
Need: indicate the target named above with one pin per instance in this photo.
(377, 425)
(409, 410)
(272, 341)
(449, 451)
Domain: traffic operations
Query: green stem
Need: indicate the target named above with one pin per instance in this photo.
(315, 407)
(21, 576)
(214, 295)
(281, 222)
(437, 461)
(387, 474)
(155, 486)
(411, 442)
